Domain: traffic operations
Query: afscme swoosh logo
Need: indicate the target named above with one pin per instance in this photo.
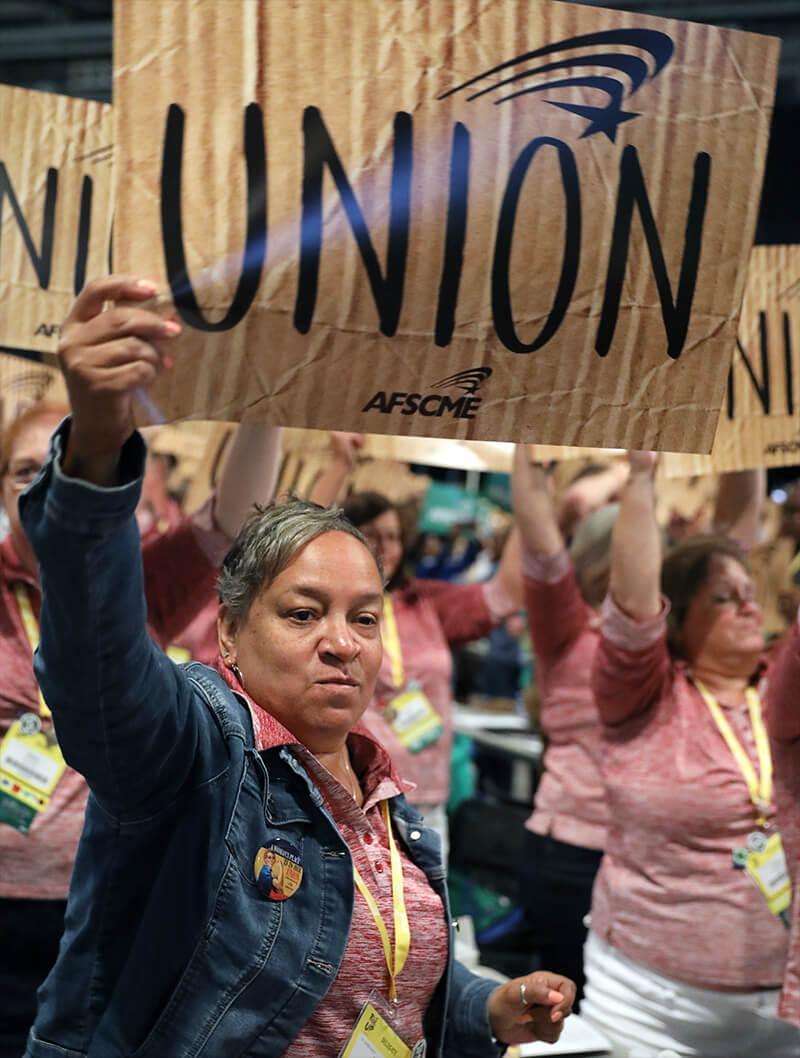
(470, 380)
(627, 74)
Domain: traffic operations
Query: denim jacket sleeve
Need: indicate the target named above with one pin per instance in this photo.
(124, 714)
(469, 1034)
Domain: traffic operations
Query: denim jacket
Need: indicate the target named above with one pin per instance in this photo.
(169, 950)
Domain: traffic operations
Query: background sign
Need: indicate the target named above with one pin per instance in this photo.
(760, 421)
(521, 221)
(55, 213)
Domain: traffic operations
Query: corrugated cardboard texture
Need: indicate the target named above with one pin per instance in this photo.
(517, 268)
(23, 383)
(760, 421)
(55, 212)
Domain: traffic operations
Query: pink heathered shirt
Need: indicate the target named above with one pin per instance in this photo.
(667, 894)
(570, 801)
(431, 617)
(38, 865)
(784, 724)
(363, 965)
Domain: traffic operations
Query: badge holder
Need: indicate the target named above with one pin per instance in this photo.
(765, 863)
(31, 765)
(413, 719)
(374, 1036)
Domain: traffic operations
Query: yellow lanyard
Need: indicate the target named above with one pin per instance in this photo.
(402, 930)
(32, 632)
(759, 786)
(391, 642)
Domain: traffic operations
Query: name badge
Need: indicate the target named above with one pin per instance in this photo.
(31, 766)
(765, 863)
(374, 1037)
(412, 718)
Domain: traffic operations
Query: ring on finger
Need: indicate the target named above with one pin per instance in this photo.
(523, 993)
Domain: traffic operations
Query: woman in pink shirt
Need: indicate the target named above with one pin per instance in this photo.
(685, 954)
(411, 713)
(37, 848)
(563, 592)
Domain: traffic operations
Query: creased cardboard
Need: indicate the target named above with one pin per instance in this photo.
(55, 213)
(760, 421)
(494, 221)
(23, 383)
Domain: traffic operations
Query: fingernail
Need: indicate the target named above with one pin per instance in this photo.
(148, 285)
(556, 1015)
(554, 997)
(168, 362)
(171, 328)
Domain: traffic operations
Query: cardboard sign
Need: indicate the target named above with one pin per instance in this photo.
(23, 383)
(505, 221)
(55, 213)
(760, 421)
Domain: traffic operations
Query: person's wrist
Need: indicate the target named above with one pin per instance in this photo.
(493, 1011)
(93, 456)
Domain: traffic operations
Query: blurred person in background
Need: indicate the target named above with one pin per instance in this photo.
(40, 825)
(688, 945)
(250, 878)
(564, 590)
(447, 557)
(422, 620)
(566, 834)
(157, 510)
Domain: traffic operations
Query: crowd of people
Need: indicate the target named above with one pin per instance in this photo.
(225, 745)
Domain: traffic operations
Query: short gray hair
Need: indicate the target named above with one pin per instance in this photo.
(268, 541)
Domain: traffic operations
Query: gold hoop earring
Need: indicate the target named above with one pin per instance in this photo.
(237, 672)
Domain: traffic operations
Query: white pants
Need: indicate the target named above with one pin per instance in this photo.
(647, 1015)
(436, 819)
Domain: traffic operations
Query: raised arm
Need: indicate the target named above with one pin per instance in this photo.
(589, 493)
(636, 543)
(249, 476)
(181, 565)
(122, 710)
(533, 506)
(632, 662)
(328, 486)
(740, 504)
(556, 611)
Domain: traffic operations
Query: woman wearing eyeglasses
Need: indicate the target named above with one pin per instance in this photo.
(42, 802)
(688, 939)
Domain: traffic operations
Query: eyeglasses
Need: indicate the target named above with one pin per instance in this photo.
(23, 473)
(734, 597)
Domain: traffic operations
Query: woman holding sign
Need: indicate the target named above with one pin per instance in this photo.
(42, 810)
(250, 879)
(688, 938)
